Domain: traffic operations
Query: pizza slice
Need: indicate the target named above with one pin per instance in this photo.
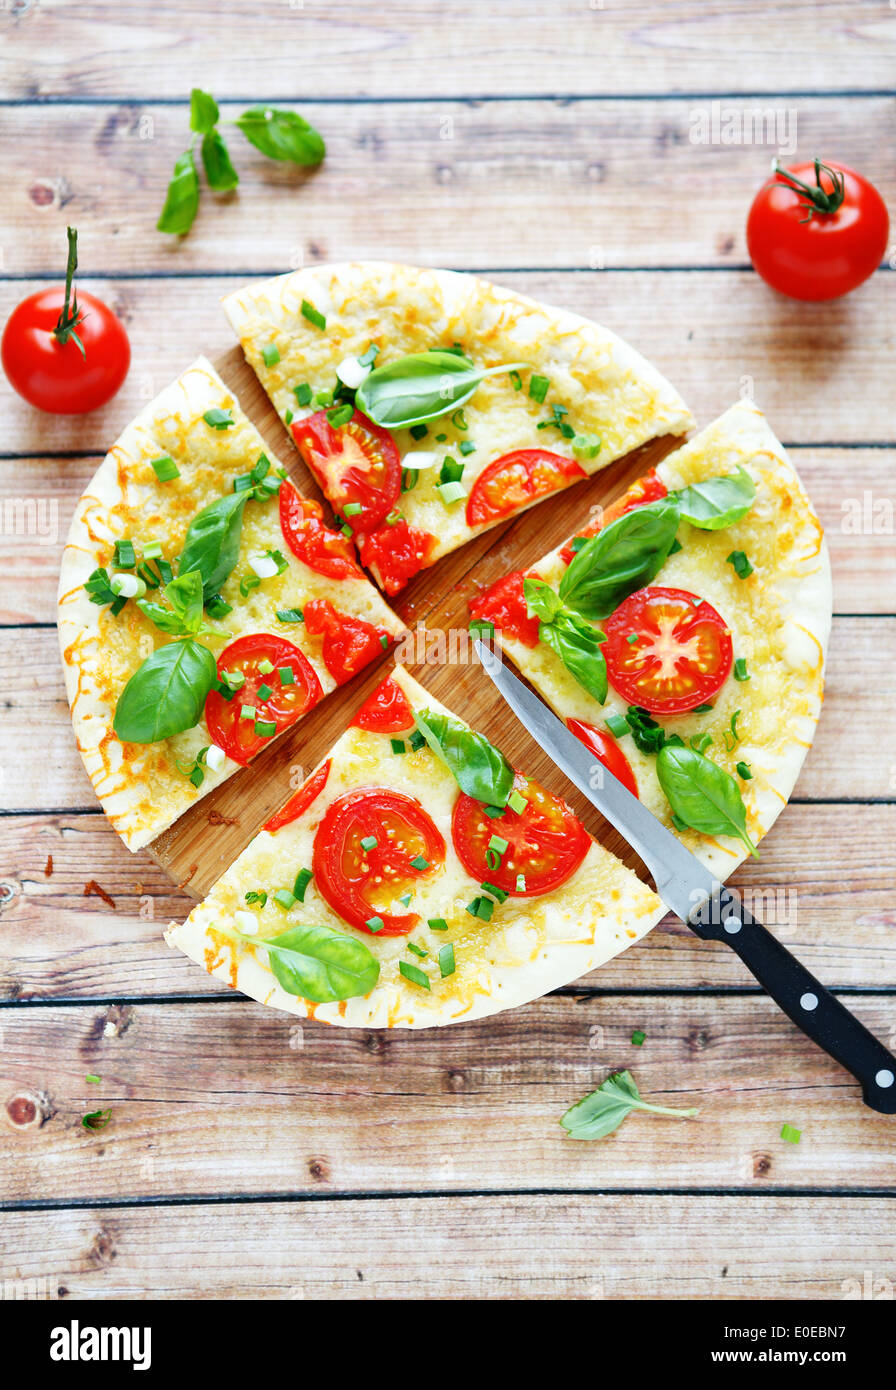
(431, 405)
(415, 879)
(682, 631)
(204, 607)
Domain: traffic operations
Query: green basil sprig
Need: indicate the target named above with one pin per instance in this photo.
(574, 640)
(421, 386)
(702, 794)
(185, 617)
(620, 559)
(281, 135)
(479, 768)
(717, 502)
(212, 542)
(599, 1113)
(166, 694)
(319, 963)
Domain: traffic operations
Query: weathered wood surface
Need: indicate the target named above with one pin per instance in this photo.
(38, 497)
(59, 944)
(301, 48)
(817, 370)
(543, 1246)
(460, 182)
(326, 1110)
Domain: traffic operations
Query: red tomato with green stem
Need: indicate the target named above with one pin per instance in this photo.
(816, 231)
(65, 352)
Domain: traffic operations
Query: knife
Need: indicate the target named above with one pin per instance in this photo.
(711, 910)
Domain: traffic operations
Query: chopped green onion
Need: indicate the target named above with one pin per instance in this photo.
(303, 393)
(340, 415)
(287, 675)
(467, 446)
(452, 470)
(265, 666)
(743, 770)
(393, 517)
(459, 420)
(483, 627)
(347, 531)
(405, 899)
(702, 709)
(368, 357)
(419, 431)
(585, 446)
(374, 924)
(632, 638)
(384, 642)
(303, 878)
(257, 896)
(247, 712)
(740, 669)
(742, 566)
(165, 468)
(446, 960)
(398, 745)
(289, 417)
(484, 909)
(516, 380)
(492, 859)
(517, 803)
(352, 509)
(418, 950)
(791, 1134)
(125, 555)
(290, 615)
(216, 607)
(497, 843)
(417, 741)
(409, 478)
(313, 315)
(618, 726)
(538, 388)
(419, 863)
(493, 812)
(151, 549)
(234, 679)
(265, 728)
(498, 893)
(369, 842)
(638, 1037)
(218, 419)
(264, 692)
(412, 973)
(437, 923)
(520, 883)
(450, 492)
(270, 354)
(284, 898)
(93, 1080)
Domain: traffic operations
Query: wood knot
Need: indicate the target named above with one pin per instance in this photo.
(319, 1169)
(8, 891)
(42, 195)
(698, 1039)
(375, 1044)
(762, 1165)
(455, 1079)
(25, 1110)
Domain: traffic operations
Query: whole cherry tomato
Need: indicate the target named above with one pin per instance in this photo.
(65, 353)
(816, 231)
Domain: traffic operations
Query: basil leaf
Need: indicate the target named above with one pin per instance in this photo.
(604, 1110)
(182, 198)
(219, 171)
(203, 111)
(212, 542)
(621, 558)
(282, 135)
(421, 387)
(717, 502)
(541, 600)
(702, 794)
(321, 964)
(578, 646)
(478, 767)
(166, 694)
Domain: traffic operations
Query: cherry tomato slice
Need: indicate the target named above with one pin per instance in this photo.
(395, 553)
(504, 606)
(607, 751)
(682, 656)
(546, 842)
(322, 550)
(386, 711)
(356, 464)
(825, 255)
(55, 376)
(349, 643)
(300, 800)
(283, 706)
(361, 883)
(642, 492)
(516, 479)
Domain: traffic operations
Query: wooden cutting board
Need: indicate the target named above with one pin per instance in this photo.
(197, 849)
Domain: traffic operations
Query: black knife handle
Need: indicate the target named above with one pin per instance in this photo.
(795, 989)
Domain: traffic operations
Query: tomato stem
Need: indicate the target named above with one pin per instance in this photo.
(815, 199)
(70, 318)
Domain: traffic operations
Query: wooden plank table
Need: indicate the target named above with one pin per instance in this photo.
(552, 147)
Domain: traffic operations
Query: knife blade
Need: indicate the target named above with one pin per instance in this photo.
(711, 910)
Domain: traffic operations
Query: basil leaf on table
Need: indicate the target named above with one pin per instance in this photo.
(203, 111)
(212, 542)
(578, 646)
(703, 795)
(182, 198)
(599, 1113)
(165, 695)
(620, 559)
(282, 135)
(717, 502)
(478, 767)
(219, 171)
(421, 386)
(320, 964)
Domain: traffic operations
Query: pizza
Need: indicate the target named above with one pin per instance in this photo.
(682, 631)
(204, 606)
(432, 405)
(415, 879)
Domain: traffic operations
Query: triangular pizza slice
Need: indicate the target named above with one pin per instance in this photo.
(682, 632)
(415, 879)
(204, 606)
(431, 405)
